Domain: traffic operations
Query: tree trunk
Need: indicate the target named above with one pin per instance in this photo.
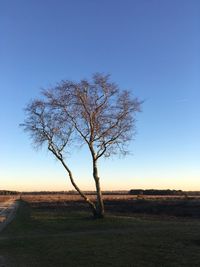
(90, 203)
(100, 204)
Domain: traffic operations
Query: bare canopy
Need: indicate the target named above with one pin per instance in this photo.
(95, 113)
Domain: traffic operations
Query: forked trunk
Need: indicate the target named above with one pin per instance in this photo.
(90, 203)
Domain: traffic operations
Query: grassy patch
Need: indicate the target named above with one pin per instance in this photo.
(60, 238)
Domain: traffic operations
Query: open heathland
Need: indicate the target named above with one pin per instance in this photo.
(57, 235)
(124, 204)
(6, 198)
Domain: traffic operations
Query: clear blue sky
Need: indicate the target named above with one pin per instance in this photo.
(149, 46)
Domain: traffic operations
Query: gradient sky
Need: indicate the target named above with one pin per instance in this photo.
(151, 47)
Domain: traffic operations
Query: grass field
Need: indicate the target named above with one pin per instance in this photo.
(63, 237)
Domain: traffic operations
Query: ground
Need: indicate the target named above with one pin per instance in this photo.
(62, 237)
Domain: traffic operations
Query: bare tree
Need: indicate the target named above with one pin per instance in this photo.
(95, 113)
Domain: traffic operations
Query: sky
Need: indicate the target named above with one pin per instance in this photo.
(150, 47)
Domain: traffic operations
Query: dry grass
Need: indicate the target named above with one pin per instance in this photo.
(110, 197)
(72, 197)
(129, 205)
(5, 198)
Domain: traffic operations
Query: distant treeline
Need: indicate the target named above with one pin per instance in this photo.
(156, 192)
(49, 193)
(72, 192)
(116, 192)
(7, 192)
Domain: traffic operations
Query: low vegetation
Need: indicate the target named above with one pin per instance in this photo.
(126, 205)
(57, 235)
(4, 198)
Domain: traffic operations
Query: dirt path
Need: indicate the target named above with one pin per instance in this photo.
(7, 212)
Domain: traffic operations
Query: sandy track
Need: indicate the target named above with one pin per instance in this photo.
(7, 212)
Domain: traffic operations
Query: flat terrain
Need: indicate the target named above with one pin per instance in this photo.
(126, 205)
(61, 233)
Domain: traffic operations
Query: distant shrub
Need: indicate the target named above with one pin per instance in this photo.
(155, 192)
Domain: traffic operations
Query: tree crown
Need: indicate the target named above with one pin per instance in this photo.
(94, 112)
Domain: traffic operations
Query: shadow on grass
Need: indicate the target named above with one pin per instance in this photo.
(67, 238)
